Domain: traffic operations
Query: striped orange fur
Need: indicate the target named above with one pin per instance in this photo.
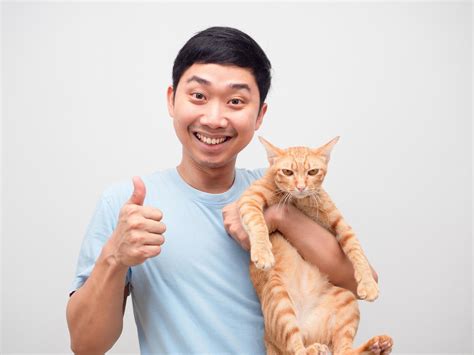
(303, 312)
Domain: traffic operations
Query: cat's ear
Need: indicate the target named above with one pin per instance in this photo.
(326, 149)
(272, 151)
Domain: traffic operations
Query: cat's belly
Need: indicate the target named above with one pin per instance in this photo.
(307, 295)
(306, 287)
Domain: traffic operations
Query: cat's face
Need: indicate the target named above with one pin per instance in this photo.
(299, 171)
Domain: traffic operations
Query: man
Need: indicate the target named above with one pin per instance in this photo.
(191, 294)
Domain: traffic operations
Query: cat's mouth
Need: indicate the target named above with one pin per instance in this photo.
(301, 194)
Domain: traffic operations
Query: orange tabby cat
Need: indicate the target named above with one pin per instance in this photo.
(303, 312)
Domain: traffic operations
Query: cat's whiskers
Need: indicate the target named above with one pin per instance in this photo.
(280, 192)
(286, 199)
(315, 197)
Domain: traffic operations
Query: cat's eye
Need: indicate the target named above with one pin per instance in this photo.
(313, 172)
(287, 172)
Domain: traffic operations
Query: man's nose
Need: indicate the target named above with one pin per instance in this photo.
(214, 117)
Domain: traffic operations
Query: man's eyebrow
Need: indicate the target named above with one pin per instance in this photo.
(239, 86)
(199, 80)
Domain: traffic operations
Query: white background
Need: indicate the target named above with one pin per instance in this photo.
(83, 94)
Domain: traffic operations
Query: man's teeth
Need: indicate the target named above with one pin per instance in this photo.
(208, 140)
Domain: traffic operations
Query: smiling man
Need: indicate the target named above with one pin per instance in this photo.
(191, 294)
(216, 109)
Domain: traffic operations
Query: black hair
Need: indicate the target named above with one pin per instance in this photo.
(227, 46)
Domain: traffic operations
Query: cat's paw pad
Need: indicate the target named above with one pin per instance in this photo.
(262, 257)
(380, 345)
(368, 290)
(317, 349)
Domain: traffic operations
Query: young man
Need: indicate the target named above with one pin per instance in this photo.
(196, 295)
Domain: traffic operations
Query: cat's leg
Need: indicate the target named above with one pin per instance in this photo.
(271, 349)
(280, 317)
(251, 206)
(378, 345)
(367, 288)
(343, 338)
(346, 316)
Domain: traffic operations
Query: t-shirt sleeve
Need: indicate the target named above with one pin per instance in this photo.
(100, 228)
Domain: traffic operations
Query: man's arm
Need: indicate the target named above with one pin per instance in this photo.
(316, 244)
(95, 311)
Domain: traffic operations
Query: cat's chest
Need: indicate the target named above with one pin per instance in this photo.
(315, 211)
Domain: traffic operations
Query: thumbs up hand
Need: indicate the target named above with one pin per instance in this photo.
(139, 192)
(139, 232)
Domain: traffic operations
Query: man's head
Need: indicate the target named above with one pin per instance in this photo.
(225, 46)
(220, 81)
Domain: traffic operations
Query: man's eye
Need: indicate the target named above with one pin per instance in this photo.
(236, 101)
(198, 96)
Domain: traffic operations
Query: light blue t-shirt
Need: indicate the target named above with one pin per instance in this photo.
(196, 296)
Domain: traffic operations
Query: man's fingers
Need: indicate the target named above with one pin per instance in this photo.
(152, 239)
(149, 251)
(155, 227)
(139, 191)
(244, 240)
(152, 213)
(245, 244)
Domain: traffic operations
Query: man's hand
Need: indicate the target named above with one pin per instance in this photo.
(234, 228)
(139, 232)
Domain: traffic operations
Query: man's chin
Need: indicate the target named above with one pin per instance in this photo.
(214, 164)
(218, 161)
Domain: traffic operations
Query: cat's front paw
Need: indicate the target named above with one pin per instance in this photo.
(262, 257)
(368, 289)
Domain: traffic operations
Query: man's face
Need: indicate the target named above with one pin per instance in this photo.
(215, 113)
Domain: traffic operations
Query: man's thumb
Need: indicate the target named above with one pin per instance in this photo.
(139, 191)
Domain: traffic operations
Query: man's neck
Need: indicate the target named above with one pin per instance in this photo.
(211, 180)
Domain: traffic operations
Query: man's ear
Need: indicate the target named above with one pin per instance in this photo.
(170, 100)
(262, 112)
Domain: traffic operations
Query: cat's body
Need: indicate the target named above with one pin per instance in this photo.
(303, 312)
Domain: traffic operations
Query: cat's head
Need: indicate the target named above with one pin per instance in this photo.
(299, 171)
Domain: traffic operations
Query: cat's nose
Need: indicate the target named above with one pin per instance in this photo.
(300, 188)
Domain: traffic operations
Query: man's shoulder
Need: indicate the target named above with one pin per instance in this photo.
(250, 175)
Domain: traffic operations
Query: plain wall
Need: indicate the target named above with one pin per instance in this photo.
(83, 94)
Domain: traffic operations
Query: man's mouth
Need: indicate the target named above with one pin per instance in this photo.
(211, 140)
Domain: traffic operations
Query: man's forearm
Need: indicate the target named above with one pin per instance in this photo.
(316, 245)
(95, 311)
